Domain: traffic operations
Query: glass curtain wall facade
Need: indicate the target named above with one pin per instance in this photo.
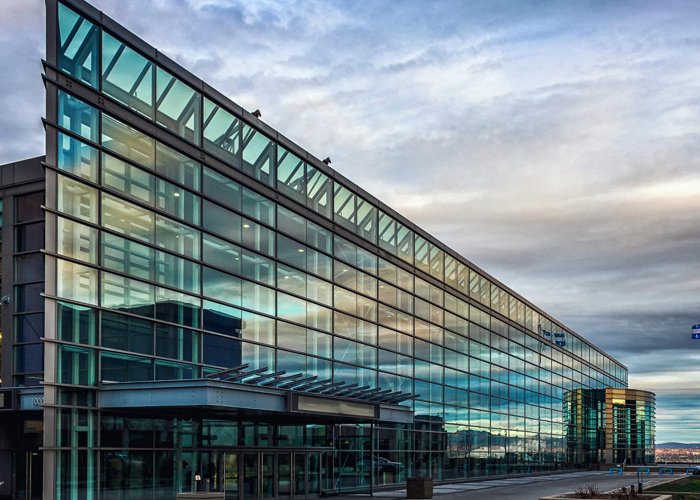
(610, 426)
(184, 237)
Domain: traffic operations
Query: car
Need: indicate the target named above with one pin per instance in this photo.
(695, 471)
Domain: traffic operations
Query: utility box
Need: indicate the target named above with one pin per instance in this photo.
(419, 487)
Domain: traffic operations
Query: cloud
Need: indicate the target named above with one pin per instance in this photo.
(554, 144)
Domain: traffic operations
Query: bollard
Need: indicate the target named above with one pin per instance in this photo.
(639, 488)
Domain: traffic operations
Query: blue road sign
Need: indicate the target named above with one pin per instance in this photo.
(696, 328)
(696, 336)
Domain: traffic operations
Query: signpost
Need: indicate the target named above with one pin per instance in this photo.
(695, 335)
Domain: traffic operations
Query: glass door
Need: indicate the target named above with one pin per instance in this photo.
(251, 477)
(284, 475)
(230, 476)
(268, 476)
(300, 474)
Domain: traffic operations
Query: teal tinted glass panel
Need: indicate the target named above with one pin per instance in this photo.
(127, 218)
(78, 41)
(221, 286)
(366, 220)
(178, 106)
(76, 241)
(258, 154)
(404, 243)
(318, 191)
(128, 141)
(177, 201)
(128, 180)
(77, 199)
(222, 133)
(291, 175)
(125, 368)
(177, 343)
(177, 272)
(127, 294)
(222, 189)
(178, 167)
(221, 319)
(344, 207)
(222, 221)
(127, 76)
(221, 253)
(177, 237)
(75, 323)
(77, 116)
(177, 307)
(126, 333)
(76, 157)
(128, 257)
(258, 207)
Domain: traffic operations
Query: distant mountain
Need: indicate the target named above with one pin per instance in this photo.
(694, 446)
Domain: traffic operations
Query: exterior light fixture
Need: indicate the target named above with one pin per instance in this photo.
(327, 160)
(256, 113)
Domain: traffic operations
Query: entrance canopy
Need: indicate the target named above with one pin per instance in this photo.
(233, 398)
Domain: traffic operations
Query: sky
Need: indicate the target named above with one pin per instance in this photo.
(554, 144)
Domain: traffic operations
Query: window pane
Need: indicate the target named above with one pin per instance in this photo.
(76, 282)
(221, 286)
(128, 141)
(76, 323)
(77, 199)
(344, 207)
(177, 201)
(222, 133)
(77, 116)
(177, 166)
(179, 106)
(220, 253)
(221, 351)
(176, 272)
(318, 191)
(222, 189)
(366, 220)
(78, 42)
(76, 240)
(127, 76)
(126, 256)
(127, 294)
(222, 319)
(258, 268)
(258, 152)
(128, 180)
(291, 175)
(177, 307)
(29, 327)
(127, 218)
(77, 157)
(127, 333)
(177, 237)
(221, 221)
(258, 207)
(28, 207)
(177, 343)
(125, 368)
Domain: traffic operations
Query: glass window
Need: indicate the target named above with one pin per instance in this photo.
(291, 308)
(221, 351)
(126, 256)
(221, 286)
(179, 106)
(222, 133)
(258, 207)
(76, 240)
(177, 307)
(127, 76)
(291, 176)
(221, 221)
(366, 220)
(291, 252)
(319, 237)
(177, 201)
(28, 207)
(387, 233)
(28, 297)
(404, 242)
(126, 333)
(258, 328)
(78, 46)
(318, 191)
(128, 141)
(177, 343)
(29, 358)
(76, 157)
(258, 153)
(128, 180)
(422, 254)
(344, 207)
(258, 268)
(177, 272)
(291, 223)
(127, 294)
(257, 237)
(221, 253)
(221, 319)
(258, 297)
(127, 218)
(76, 282)
(77, 116)
(178, 167)
(29, 236)
(177, 237)
(222, 189)
(125, 368)
(29, 327)
(319, 263)
(76, 323)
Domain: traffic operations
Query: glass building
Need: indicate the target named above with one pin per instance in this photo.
(610, 426)
(194, 302)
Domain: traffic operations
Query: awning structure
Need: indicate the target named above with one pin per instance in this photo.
(248, 393)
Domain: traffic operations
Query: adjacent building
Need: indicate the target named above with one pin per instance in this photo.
(192, 301)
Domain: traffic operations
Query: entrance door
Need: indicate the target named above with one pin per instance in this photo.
(28, 475)
(264, 476)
